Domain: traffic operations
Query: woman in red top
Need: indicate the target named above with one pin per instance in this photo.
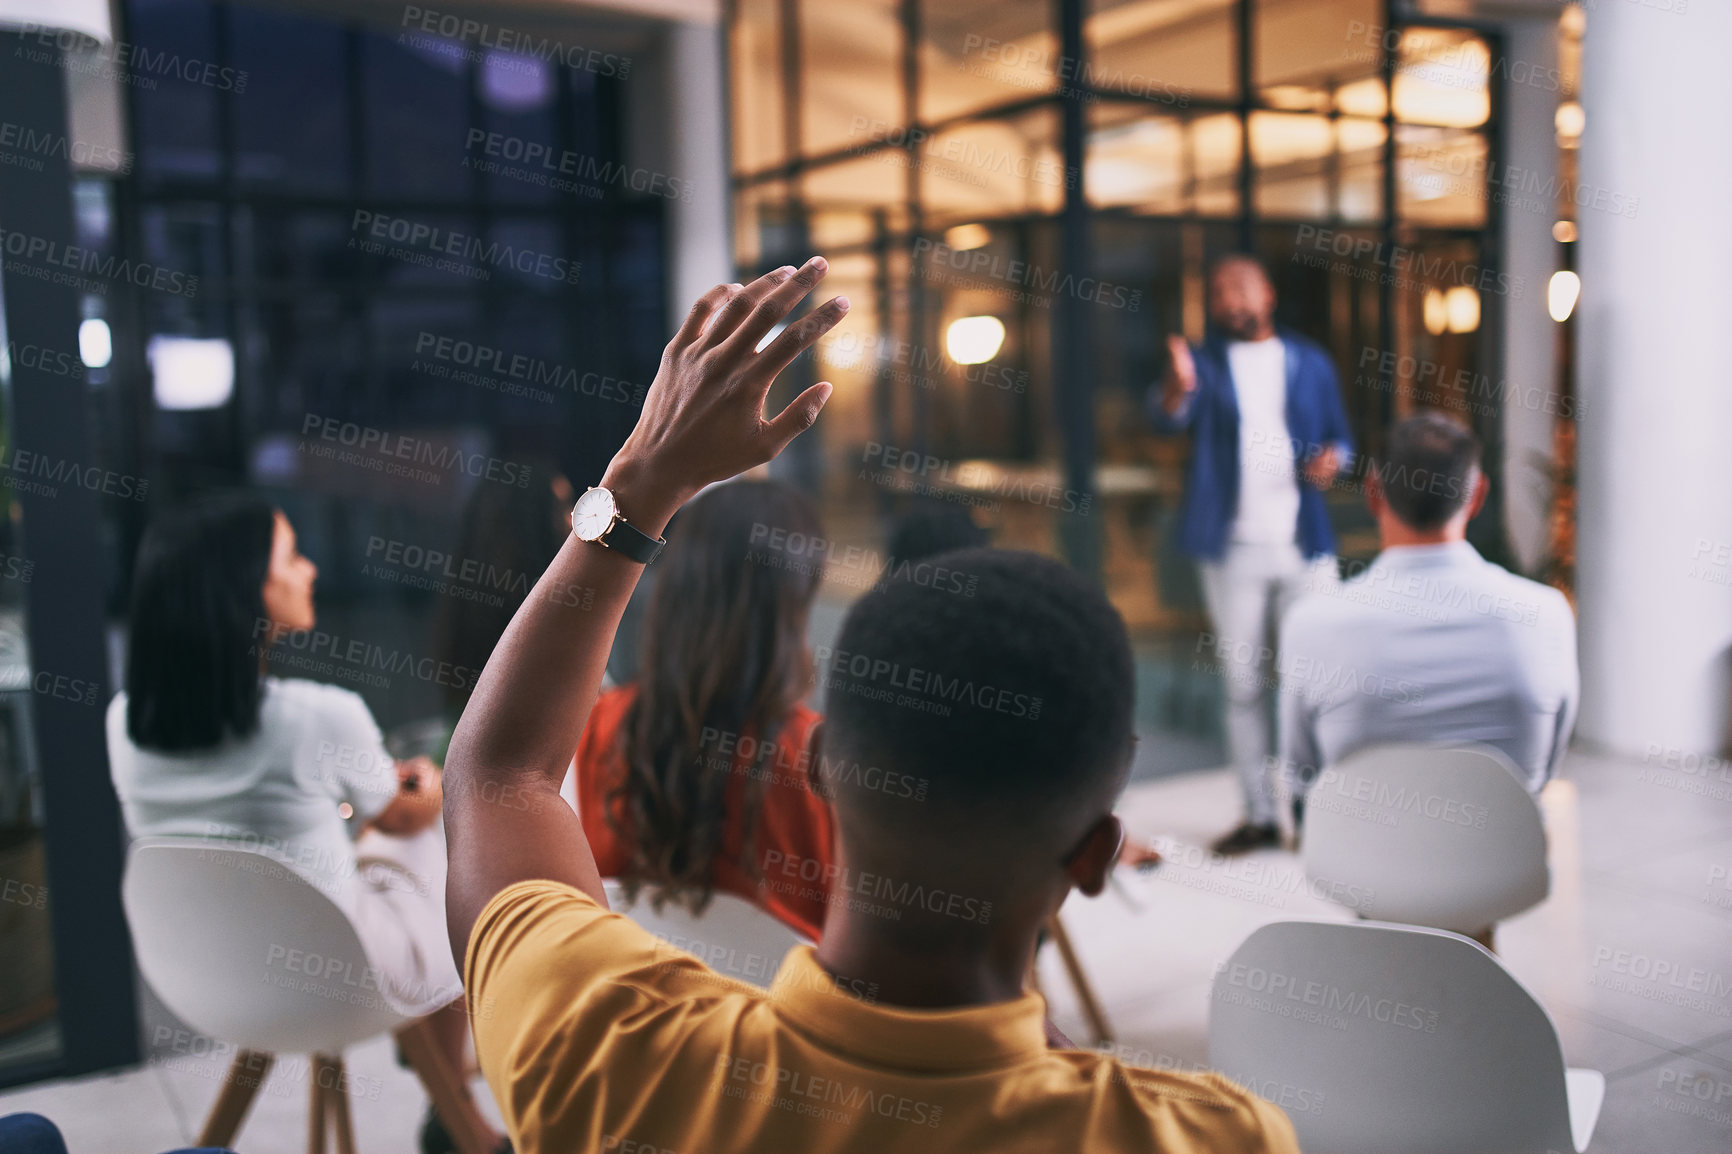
(696, 776)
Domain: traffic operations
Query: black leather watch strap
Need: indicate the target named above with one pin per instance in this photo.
(624, 537)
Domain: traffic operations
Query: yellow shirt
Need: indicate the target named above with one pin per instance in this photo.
(595, 1035)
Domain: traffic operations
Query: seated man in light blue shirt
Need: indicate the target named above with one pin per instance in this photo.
(1432, 643)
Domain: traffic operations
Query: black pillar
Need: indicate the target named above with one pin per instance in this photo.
(1073, 367)
(64, 616)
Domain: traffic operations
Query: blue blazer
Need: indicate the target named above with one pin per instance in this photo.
(1315, 420)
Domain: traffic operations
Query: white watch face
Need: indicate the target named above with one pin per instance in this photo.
(593, 514)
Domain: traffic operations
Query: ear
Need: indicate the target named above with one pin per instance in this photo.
(1095, 855)
(1481, 490)
(1374, 492)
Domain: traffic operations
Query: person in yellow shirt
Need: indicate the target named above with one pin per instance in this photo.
(978, 734)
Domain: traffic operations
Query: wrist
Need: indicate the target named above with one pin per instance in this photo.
(645, 500)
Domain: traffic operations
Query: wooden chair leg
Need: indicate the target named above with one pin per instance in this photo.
(245, 1075)
(450, 1095)
(1085, 993)
(337, 1102)
(317, 1106)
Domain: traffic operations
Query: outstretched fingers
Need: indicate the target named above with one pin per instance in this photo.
(735, 313)
(769, 308)
(800, 336)
(701, 312)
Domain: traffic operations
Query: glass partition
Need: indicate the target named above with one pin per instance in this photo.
(932, 168)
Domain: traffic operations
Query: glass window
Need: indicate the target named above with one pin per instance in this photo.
(1440, 176)
(310, 357)
(1163, 169)
(850, 355)
(293, 248)
(292, 129)
(177, 122)
(1304, 51)
(1293, 156)
(1215, 150)
(757, 131)
(876, 179)
(842, 230)
(754, 208)
(416, 116)
(517, 148)
(975, 54)
(187, 238)
(1441, 78)
(530, 256)
(1138, 161)
(1359, 168)
(1001, 167)
(1163, 165)
(854, 93)
(1168, 51)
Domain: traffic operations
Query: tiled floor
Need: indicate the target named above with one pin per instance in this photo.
(1636, 867)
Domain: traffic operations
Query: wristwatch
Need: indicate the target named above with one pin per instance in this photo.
(596, 518)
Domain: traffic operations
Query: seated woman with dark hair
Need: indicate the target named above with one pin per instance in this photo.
(689, 777)
(204, 743)
(516, 533)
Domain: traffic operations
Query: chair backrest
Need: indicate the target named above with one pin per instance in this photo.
(732, 936)
(1426, 835)
(1379, 1038)
(244, 949)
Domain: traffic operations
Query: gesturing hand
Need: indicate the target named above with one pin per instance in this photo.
(1321, 469)
(703, 417)
(1182, 381)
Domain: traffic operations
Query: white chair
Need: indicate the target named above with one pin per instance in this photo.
(247, 951)
(732, 936)
(1379, 1038)
(1426, 835)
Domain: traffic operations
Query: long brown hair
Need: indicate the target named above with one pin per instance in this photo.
(723, 656)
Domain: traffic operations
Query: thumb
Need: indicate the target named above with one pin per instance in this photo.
(799, 416)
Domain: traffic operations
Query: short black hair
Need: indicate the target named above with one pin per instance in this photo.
(934, 527)
(1004, 679)
(1236, 257)
(1428, 470)
(192, 663)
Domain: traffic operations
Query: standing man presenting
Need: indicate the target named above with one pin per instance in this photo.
(1268, 435)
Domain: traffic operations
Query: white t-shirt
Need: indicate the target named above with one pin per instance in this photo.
(317, 746)
(1268, 486)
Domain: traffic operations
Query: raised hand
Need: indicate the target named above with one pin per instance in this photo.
(1320, 471)
(703, 417)
(1182, 379)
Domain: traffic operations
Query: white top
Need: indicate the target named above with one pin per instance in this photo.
(1268, 486)
(316, 747)
(1431, 644)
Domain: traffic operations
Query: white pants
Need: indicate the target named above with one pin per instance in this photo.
(1246, 593)
(399, 913)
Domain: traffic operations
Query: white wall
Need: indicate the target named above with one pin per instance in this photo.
(1656, 378)
(700, 247)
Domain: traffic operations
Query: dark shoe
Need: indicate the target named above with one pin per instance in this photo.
(435, 1139)
(1245, 838)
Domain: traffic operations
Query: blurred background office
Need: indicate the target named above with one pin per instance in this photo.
(407, 271)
